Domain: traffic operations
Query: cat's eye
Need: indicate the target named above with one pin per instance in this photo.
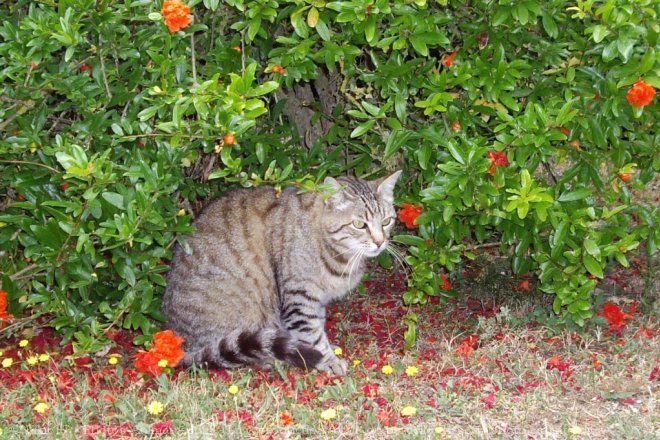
(387, 221)
(358, 224)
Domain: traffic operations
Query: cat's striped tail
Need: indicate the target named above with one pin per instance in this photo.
(260, 347)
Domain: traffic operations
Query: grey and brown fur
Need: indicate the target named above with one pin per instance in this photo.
(264, 266)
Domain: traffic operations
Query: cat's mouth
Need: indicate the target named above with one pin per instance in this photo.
(375, 250)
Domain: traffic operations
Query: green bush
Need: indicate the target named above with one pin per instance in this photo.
(114, 132)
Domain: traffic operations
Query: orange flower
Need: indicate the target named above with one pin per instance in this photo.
(497, 159)
(409, 214)
(286, 419)
(448, 60)
(167, 346)
(176, 15)
(456, 126)
(4, 315)
(279, 69)
(640, 94)
(625, 177)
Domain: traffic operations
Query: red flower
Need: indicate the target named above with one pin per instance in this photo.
(409, 214)
(446, 284)
(497, 159)
(85, 68)
(456, 126)
(161, 428)
(640, 94)
(176, 15)
(370, 390)
(488, 400)
(468, 345)
(4, 315)
(555, 363)
(615, 316)
(147, 362)
(565, 131)
(448, 60)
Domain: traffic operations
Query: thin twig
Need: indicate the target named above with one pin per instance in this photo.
(20, 323)
(25, 162)
(136, 136)
(194, 63)
(105, 77)
(27, 106)
(483, 246)
(548, 168)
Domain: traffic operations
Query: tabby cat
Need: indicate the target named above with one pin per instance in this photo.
(264, 266)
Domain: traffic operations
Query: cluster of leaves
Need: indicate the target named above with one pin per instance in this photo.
(112, 124)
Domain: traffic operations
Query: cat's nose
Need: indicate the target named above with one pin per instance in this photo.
(378, 238)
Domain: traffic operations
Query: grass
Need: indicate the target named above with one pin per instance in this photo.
(514, 379)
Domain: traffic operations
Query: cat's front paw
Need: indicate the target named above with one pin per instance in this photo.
(333, 365)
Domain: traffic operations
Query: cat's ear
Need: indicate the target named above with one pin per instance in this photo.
(339, 200)
(386, 187)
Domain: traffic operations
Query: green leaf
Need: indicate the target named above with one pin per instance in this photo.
(455, 152)
(549, 25)
(362, 128)
(592, 248)
(572, 196)
(323, 31)
(263, 89)
(599, 33)
(419, 45)
(501, 15)
(114, 199)
(395, 141)
(592, 266)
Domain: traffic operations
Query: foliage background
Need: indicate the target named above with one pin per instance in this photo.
(112, 136)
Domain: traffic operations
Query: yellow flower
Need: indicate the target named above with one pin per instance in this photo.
(43, 357)
(409, 411)
(439, 430)
(356, 362)
(1, 352)
(338, 351)
(155, 407)
(7, 362)
(41, 407)
(113, 360)
(162, 363)
(233, 389)
(412, 371)
(32, 360)
(23, 343)
(329, 414)
(387, 369)
(181, 212)
(0, 431)
(575, 430)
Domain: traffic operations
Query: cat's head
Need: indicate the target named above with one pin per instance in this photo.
(360, 215)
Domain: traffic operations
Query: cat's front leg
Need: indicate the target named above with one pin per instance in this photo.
(304, 317)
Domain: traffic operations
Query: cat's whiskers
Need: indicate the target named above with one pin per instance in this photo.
(353, 262)
(398, 256)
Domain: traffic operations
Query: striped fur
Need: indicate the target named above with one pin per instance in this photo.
(264, 266)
